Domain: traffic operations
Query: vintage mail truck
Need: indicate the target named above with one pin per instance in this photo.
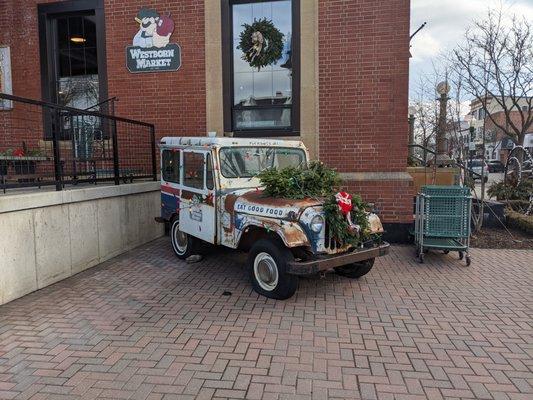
(210, 193)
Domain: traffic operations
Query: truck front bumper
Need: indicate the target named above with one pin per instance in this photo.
(333, 261)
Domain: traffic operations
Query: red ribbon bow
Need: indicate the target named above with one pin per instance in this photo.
(344, 200)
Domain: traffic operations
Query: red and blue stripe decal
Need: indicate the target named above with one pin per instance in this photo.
(169, 201)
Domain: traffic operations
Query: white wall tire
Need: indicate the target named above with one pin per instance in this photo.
(266, 271)
(184, 245)
(267, 265)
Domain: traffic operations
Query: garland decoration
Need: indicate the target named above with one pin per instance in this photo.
(346, 215)
(354, 232)
(314, 180)
(261, 43)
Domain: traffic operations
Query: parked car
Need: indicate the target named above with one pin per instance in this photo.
(210, 193)
(495, 166)
(480, 169)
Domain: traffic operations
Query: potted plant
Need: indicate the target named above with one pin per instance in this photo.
(25, 165)
(20, 166)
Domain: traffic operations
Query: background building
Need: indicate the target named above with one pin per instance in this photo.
(498, 144)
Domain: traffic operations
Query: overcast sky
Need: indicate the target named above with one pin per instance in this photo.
(446, 23)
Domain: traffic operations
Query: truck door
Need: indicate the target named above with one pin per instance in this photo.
(197, 207)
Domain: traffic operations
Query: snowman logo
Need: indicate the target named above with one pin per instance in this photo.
(152, 50)
(154, 30)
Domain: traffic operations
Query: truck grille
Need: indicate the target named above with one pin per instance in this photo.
(331, 243)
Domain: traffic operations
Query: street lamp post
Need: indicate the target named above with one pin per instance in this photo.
(442, 158)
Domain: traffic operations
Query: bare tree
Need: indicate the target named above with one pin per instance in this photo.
(457, 146)
(425, 123)
(495, 64)
(426, 113)
(426, 105)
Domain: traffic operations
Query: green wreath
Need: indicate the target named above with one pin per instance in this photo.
(261, 43)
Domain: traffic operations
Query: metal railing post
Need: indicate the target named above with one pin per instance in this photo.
(154, 164)
(116, 169)
(74, 141)
(56, 126)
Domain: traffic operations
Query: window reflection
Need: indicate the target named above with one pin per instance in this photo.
(77, 64)
(171, 166)
(76, 72)
(262, 98)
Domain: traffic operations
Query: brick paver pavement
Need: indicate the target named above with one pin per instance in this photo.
(148, 326)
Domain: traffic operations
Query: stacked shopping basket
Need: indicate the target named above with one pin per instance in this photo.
(442, 220)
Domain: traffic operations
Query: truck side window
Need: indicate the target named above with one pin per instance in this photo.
(193, 170)
(209, 173)
(171, 166)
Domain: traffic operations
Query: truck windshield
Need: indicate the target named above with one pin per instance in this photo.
(246, 162)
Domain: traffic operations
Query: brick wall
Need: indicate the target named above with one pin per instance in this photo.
(363, 96)
(173, 101)
(20, 33)
(500, 134)
(501, 119)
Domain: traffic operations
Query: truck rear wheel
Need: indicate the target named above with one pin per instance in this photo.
(183, 244)
(356, 270)
(267, 264)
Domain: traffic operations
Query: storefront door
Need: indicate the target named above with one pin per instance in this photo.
(73, 53)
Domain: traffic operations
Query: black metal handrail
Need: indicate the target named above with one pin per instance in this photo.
(78, 145)
(71, 109)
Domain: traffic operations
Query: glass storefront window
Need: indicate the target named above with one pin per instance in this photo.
(262, 97)
(73, 68)
(76, 55)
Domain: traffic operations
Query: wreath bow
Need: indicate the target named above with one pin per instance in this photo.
(261, 43)
(344, 201)
(257, 48)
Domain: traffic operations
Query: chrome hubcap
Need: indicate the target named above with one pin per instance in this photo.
(266, 271)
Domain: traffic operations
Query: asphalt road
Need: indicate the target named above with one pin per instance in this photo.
(493, 177)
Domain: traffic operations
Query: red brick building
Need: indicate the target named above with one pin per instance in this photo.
(500, 134)
(337, 77)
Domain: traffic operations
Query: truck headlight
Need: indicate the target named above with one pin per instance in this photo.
(317, 223)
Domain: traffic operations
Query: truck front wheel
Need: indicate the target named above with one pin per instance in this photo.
(267, 264)
(356, 270)
(183, 244)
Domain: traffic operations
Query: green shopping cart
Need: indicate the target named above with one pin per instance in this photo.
(442, 220)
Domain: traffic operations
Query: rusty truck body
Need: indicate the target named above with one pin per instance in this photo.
(210, 193)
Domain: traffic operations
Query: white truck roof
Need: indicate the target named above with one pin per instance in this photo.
(203, 141)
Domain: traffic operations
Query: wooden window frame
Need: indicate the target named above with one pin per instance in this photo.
(227, 74)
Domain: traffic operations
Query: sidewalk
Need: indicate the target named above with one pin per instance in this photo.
(148, 326)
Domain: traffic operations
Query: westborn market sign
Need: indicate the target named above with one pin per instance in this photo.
(145, 60)
(152, 50)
